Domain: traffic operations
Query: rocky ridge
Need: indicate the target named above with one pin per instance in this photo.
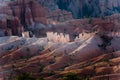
(90, 55)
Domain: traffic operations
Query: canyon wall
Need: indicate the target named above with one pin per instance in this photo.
(17, 16)
(85, 8)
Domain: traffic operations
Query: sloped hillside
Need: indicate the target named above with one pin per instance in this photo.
(88, 57)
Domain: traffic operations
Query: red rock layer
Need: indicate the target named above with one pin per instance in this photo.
(19, 15)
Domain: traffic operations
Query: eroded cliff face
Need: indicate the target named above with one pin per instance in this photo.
(22, 15)
(86, 8)
(90, 8)
(53, 12)
(19, 15)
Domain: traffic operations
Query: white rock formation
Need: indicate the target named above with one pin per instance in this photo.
(55, 37)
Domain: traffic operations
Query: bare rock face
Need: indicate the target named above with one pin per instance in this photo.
(28, 11)
(53, 13)
(58, 15)
(85, 8)
(93, 52)
(48, 4)
(41, 56)
(10, 25)
(17, 16)
(93, 8)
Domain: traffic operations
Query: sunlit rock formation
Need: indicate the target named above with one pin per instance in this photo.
(97, 52)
